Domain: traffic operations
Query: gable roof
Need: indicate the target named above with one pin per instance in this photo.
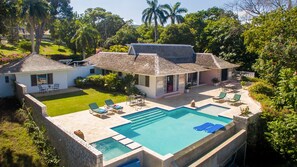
(147, 64)
(175, 53)
(192, 66)
(210, 61)
(33, 63)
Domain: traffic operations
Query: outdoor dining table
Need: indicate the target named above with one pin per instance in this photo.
(135, 99)
(230, 86)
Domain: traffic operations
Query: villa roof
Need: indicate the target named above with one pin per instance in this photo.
(210, 61)
(192, 67)
(32, 63)
(175, 53)
(147, 64)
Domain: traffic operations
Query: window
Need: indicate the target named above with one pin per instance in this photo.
(142, 80)
(6, 79)
(136, 79)
(120, 74)
(147, 81)
(41, 79)
(92, 71)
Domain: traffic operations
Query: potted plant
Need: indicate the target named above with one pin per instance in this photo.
(187, 88)
(215, 81)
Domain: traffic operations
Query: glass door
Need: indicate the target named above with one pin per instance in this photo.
(169, 83)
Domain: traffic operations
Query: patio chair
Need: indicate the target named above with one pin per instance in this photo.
(110, 104)
(220, 97)
(235, 99)
(56, 86)
(94, 109)
(41, 89)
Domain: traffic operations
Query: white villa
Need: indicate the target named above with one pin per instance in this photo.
(162, 69)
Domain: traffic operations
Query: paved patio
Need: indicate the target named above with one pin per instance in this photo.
(95, 128)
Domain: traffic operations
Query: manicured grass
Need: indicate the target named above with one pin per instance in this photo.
(78, 101)
(46, 48)
(17, 148)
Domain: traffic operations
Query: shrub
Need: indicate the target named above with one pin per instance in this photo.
(25, 45)
(80, 82)
(111, 81)
(215, 80)
(250, 79)
(96, 80)
(243, 83)
(262, 88)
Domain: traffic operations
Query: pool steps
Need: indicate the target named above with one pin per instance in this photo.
(127, 142)
(142, 114)
(146, 118)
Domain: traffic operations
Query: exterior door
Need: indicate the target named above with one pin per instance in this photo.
(224, 74)
(169, 83)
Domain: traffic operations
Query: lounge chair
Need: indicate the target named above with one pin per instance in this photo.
(220, 97)
(97, 110)
(214, 128)
(203, 126)
(235, 99)
(114, 107)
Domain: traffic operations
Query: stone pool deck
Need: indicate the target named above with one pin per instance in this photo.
(95, 128)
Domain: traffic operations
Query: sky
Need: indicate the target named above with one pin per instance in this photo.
(132, 9)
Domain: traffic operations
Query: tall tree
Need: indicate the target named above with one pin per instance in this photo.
(155, 13)
(34, 11)
(174, 12)
(177, 34)
(85, 36)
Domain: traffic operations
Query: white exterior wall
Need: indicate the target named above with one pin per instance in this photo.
(81, 71)
(59, 77)
(150, 91)
(6, 89)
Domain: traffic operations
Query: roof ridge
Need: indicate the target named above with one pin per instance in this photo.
(215, 61)
(154, 44)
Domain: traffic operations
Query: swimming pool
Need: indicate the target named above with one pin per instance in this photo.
(212, 109)
(110, 148)
(166, 131)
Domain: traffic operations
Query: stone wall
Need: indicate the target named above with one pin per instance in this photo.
(203, 146)
(220, 155)
(74, 151)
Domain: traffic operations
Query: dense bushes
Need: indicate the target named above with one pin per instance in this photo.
(25, 45)
(110, 82)
(261, 91)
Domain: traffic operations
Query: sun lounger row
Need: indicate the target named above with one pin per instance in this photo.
(101, 111)
(222, 97)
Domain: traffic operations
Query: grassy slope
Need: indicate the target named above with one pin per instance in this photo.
(77, 101)
(47, 48)
(16, 146)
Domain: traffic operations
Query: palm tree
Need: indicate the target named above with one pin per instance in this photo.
(34, 11)
(154, 13)
(174, 12)
(85, 36)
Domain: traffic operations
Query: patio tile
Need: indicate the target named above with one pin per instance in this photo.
(126, 141)
(133, 145)
(118, 137)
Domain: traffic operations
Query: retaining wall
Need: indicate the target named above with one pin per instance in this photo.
(74, 151)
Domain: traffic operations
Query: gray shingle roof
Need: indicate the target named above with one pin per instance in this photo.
(33, 63)
(147, 64)
(210, 61)
(192, 67)
(173, 52)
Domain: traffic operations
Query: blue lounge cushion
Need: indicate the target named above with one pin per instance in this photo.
(214, 128)
(203, 126)
(117, 107)
(132, 163)
(100, 110)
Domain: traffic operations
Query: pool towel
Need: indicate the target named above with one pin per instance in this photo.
(203, 126)
(214, 128)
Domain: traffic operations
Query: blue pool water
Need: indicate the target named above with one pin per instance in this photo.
(110, 148)
(212, 109)
(167, 131)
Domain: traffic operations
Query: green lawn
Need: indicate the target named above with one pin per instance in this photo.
(17, 148)
(46, 48)
(77, 101)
